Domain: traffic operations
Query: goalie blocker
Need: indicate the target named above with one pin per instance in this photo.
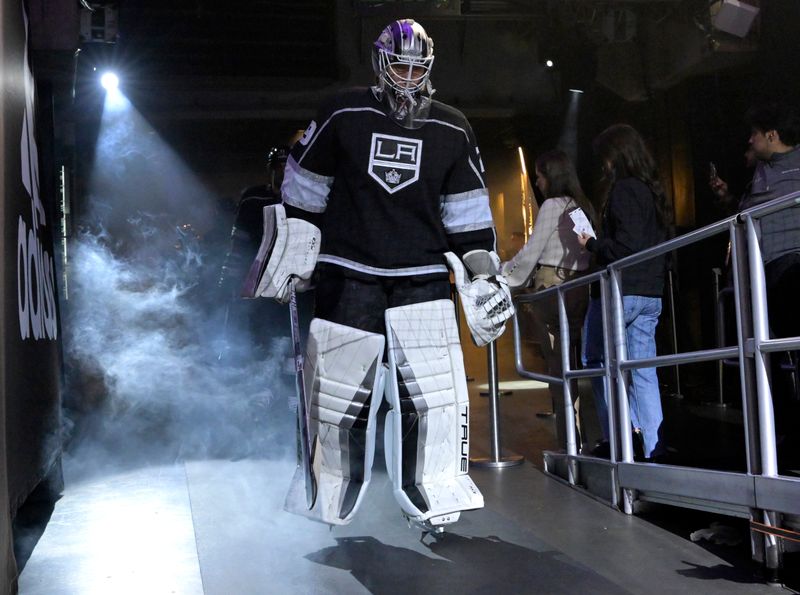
(289, 248)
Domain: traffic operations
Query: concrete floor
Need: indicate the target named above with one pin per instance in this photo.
(218, 527)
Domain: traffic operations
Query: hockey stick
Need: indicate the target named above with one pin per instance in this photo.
(302, 413)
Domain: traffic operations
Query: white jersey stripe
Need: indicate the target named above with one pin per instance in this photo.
(472, 165)
(463, 195)
(363, 268)
(470, 227)
(467, 214)
(305, 189)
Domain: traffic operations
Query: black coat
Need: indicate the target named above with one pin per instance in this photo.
(630, 224)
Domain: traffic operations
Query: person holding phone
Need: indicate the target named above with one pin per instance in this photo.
(719, 187)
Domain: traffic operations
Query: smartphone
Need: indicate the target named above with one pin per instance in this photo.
(712, 170)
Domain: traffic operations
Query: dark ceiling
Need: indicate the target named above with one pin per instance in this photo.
(272, 58)
(276, 38)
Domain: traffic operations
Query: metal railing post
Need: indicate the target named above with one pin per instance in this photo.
(773, 556)
(608, 375)
(566, 403)
(719, 324)
(621, 350)
(674, 327)
(766, 416)
(743, 333)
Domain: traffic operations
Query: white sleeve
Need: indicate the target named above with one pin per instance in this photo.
(519, 269)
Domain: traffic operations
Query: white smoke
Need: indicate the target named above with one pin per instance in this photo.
(160, 361)
(153, 377)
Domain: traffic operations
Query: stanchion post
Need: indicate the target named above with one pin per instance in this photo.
(497, 460)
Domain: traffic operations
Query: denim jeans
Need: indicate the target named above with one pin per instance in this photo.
(641, 317)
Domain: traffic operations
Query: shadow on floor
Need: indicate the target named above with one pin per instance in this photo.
(462, 564)
(729, 541)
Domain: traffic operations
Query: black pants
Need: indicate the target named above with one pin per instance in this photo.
(783, 290)
(360, 301)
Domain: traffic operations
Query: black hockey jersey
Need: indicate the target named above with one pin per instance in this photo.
(390, 201)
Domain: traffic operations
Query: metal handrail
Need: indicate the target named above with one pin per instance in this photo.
(752, 343)
(687, 357)
(520, 367)
(566, 286)
(559, 291)
(762, 343)
(769, 345)
(673, 244)
(526, 298)
(787, 344)
(772, 206)
(752, 351)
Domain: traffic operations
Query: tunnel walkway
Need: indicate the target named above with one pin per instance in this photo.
(217, 527)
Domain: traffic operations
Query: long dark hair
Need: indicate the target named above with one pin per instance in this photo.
(562, 180)
(623, 148)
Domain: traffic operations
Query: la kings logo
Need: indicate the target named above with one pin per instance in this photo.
(394, 161)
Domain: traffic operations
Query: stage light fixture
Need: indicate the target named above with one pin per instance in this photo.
(576, 91)
(549, 63)
(110, 81)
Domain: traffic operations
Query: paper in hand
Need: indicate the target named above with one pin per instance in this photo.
(582, 224)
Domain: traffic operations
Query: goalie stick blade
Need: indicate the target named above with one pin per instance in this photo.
(302, 414)
(256, 272)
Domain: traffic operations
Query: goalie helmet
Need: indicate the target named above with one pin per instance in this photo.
(402, 58)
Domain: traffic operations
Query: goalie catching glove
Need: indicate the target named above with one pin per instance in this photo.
(486, 299)
(288, 253)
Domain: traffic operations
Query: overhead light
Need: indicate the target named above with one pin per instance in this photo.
(110, 81)
(576, 90)
(733, 16)
(549, 63)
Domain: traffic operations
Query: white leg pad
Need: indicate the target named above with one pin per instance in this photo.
(343, 376)
(427, 429)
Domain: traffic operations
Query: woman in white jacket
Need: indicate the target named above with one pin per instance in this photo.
(552, 256)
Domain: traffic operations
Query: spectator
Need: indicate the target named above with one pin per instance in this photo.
(552, 256)
(634, 217)
(775, 134)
